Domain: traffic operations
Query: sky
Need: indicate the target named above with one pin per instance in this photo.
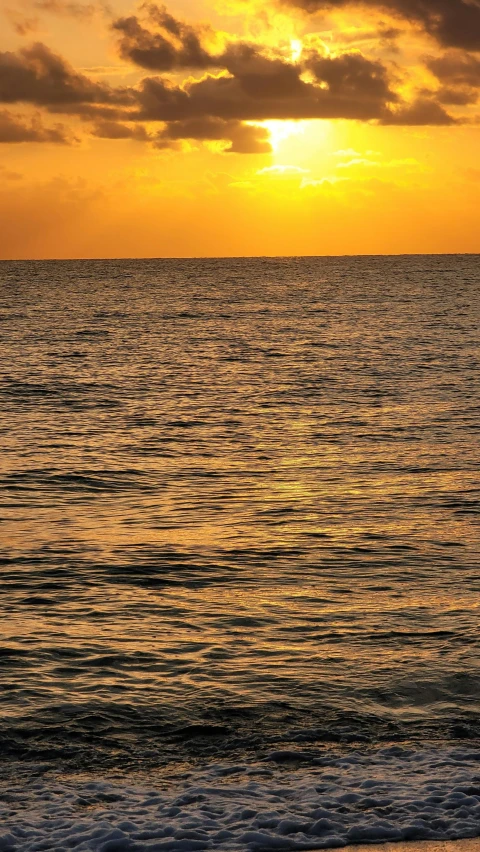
(238, 127)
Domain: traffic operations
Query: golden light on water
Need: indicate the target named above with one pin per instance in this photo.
(239, 482)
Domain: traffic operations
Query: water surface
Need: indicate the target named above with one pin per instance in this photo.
(240, 509)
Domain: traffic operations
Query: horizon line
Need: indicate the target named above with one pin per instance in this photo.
(232, 257)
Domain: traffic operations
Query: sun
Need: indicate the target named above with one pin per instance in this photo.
(296, 48)
(281, 130)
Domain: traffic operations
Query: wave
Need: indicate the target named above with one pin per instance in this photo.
(116, 731)
(388, 794)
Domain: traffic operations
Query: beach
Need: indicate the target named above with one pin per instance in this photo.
(471, 845)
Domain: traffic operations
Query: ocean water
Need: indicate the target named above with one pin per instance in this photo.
(239, 552)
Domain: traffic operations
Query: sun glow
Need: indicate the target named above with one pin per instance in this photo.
(281, 130)
(296, 47)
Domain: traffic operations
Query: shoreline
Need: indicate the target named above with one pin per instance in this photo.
(471, 844)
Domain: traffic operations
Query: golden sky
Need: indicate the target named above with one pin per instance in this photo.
(238, 127)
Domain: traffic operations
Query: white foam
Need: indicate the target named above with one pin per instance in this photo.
(390, 794)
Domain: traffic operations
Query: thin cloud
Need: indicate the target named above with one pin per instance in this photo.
(15, 129)
(29, 21)
(283, 171)
(453, 23)
(9, 174)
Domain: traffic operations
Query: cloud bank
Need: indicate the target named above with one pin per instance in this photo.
(243, 82)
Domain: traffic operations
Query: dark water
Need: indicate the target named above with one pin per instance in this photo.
(239, 509)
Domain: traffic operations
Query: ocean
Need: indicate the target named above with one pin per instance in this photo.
(239, 549)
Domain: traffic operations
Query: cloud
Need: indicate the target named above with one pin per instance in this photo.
(160, 42)
(365, 162)
(27, 21)
(352, 73)
(423, 111)
(283, 171)
(262, 76)
(37, 75)
(459, 73)
(94, 112)
(15, 129)
(456, 68)
(348, 87)
(242, 138)
(173, 44)
(250, 82)
(454, 23)
(456, 96)
(263, 88)
(23, 25)
(242, 86)
(8, 174)
(70, 8)
(248, 139)
(346, 152)
(107, 129)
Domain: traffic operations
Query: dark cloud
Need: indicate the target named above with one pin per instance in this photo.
(243, 138)
(258, 84)
(15, 129)
(459, 75)
(37, 75)
(262, 76)
(345, 87)
(95, 112)
(171, 45)
(456, 96)
(108, 129)
(353, 75)
(454, 23)
(423, 111)
(456, 68)
(175, 45)
(249, 83)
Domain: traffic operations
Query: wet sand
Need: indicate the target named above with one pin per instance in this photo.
(470, 845)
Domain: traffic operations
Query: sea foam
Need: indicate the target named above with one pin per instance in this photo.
(389, 794)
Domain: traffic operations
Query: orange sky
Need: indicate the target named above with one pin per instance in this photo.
(234, 127)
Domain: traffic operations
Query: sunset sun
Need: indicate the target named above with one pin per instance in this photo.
(201, 97)
(279, 131)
